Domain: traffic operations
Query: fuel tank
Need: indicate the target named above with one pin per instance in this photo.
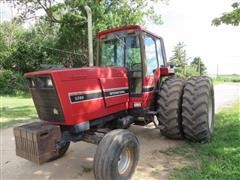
(73, 96)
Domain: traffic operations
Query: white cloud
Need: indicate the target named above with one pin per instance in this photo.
(190, 21)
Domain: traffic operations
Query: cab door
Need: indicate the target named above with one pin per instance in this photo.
(133, 62)
(151, 70)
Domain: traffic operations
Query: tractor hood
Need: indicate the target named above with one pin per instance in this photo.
(82, 73)
(73, 96)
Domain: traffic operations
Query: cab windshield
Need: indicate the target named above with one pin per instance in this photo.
(121, 52)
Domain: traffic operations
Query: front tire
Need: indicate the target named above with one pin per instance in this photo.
(116, 156)
(61, 151)
(198, 109)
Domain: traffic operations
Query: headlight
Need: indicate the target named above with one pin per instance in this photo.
(32, 83)
(49, 82)
(55, 111)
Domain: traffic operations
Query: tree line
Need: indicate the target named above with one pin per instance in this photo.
(186, 66)
(59, 36)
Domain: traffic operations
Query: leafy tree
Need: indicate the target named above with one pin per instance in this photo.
(26, 56)
(179, 59)
(191, 71)
(23, 51)
(183, 68)
(60, 36)
(116, 11)
(199, 66)
(9, 35)
(229, 18)
(69, 18)
(12, 83)
(3, 49)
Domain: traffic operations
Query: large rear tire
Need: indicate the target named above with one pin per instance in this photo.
(169, 107)
(198, 109)
(116, 156)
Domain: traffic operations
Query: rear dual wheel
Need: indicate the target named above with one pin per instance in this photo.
(186, 109)
(198, 109)
(169, 107)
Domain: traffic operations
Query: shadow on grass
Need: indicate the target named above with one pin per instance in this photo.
(10, 116)
(14, 121)
(18, 96)
(17, 112)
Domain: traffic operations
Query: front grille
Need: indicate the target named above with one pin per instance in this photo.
(47, 102)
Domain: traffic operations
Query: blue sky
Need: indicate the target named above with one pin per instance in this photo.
(189, 21)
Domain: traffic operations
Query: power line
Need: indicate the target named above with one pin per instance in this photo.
(59, 50)
(69, 52)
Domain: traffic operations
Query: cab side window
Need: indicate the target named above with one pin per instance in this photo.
(151, 55)
(160, 53)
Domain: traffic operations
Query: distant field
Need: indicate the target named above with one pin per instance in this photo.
(226, 78)
(16, 109)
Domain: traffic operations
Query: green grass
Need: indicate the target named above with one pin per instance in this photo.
(219, 159)
(218, 81)
(16, 109)
(235, 78)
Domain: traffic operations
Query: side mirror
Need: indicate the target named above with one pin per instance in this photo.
(171, 68)
(170, 65)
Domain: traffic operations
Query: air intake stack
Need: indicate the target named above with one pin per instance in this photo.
(90, 39)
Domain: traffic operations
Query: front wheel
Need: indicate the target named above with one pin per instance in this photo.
(61, 151)
(116, 156)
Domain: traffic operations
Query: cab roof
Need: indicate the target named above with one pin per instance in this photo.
(123, 28)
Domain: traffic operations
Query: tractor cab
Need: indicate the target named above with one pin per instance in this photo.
(141, 52)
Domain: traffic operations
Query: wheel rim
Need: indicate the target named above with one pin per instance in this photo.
(125, 161)
(210, 114)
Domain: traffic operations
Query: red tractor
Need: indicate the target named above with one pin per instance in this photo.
(131, 83)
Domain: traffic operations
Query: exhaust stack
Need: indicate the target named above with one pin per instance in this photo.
(90, 39)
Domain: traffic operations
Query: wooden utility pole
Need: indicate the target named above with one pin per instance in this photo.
(185, 69)
(199, 67)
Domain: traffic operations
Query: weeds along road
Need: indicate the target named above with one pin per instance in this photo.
(78, 161)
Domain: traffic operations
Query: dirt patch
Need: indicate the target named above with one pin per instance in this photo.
(78, 161)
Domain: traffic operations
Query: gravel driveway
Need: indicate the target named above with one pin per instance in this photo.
(77, 163)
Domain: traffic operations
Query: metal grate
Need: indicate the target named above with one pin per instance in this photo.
(46, 101)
